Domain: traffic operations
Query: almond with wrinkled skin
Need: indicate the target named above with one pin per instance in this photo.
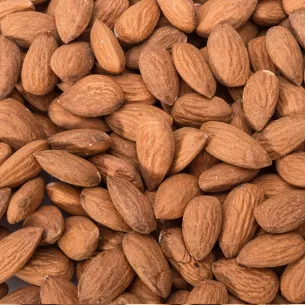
(133, 205)
(106, 48)
(126, 120)
(146, 258)
(271, 250)
(5, 152)
(12, 6)
(50, 219)
(46, 125)
(95, 287)
(5, 195)
(25, 200)
(239, 119)
(239, 225)
(155, 149)
(260, 97)
(72, 17)
(10, 65)
(293, 5)
(73, 61)
(193, 109)
(134, 88)
(174, 194)
(65, 197)
(193, 271)
(248, 31)
(22, 165)
(297, 20)
(251, 285)
(178, 297)
(23, 27)
(282, 213)
(259, 57)
(202, 221)
(18, 125)
(26, 295)
(16, 249)
(98, 205)
(215, 12)
(282, 136)
(80, 238)
(231, 145)
(181, 14)
(113, 166)
(208, 292)
(285, 53)
(159, 74)
(164, 37)
(228, 56)
(81, 142)
(188, 143)
(55, 290)
(109, 11)
(194, 70)
(137, 22)
(69, 168)
(44, 262)
(67, 120)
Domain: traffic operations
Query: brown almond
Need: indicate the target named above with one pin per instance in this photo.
(126, 298)
(8, 7)
(4, 233)
(5, 195)
(248, 31)
(293, 5)
(26, 295)
(296, 20)
(5, 152)
(178, 297)
(46, 125)
(109, 239)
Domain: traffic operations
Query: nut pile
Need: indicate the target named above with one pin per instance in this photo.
(152, 151)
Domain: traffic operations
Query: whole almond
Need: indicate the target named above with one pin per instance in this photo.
(23, 27)
(46, 125)
(286, 55)
(248, 31)
(192, 67)
(159, 74)
(8, 7)
(203, 214)
(248, 284)
(95, 288)
(69, 168)
(271, 250)
(193, 109)
(137, 22)
(5, 152)
(293, 5)
(44, 262)
(98, 205)
(239, 227)
(109, 239)
(297, 20)
(5, 195)
(72, 18)
(178, 297)
(26, 295)
(126, 298)
(146, 258)
(228, 56)
(80, 238)
(225, 144)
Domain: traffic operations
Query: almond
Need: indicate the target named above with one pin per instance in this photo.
(109, 239)
(8, 7)
(5, 195)
(293, 5)
(178, 297)
(5, 152)
(248, 31)
(4, 233)
(26, 295)
(126, 298)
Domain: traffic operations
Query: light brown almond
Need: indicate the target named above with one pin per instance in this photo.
(5, 152)
(248, 31)
(12, 6)
(293, 5)
(26, 295)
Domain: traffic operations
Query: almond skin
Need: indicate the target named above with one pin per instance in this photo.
(5, 152)
(271, 250)
(248, 31)
(293, 5)
(159, 74)
(9, 7)
(192, 67)
(251, 285)
(72, 17)
(92, 96)
(296, 20)
(26, 295)
(146, 258)
(203, 214)
(126, 298)
(286, 55)
(5, 195)
(231, 145)
(228, 56)
(106, 48)
(69, 168)
(137, 22)
(178, 297)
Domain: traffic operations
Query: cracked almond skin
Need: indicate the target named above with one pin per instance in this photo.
(228, 56)
(271, 250)
(69, 168)
(147, 259)
(95, 287)
(254, 286)
(5, 195)
(159, 74)
(201, 225)
(239, 224)
(193, 69)
(285, 53)
(44, 262)
(26, 295)
(16, 249)
(233, 146)
(174, 249)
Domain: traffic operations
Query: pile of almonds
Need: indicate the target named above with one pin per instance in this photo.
(152, 151)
